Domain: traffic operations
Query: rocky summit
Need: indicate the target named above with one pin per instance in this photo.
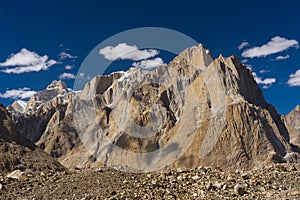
(195, 113)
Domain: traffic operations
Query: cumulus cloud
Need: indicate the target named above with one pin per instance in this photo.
(26, 61)
(68, 67)
(282, 57)
(67, 76)
(123, 51)
(294, 79)
(21, 93)
(148, 64)
(243, 45)
(267, 82)
(276, 45)
(63, 55)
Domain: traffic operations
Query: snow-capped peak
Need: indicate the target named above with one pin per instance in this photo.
(56, 91)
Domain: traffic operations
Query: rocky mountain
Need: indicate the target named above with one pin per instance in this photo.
(46, 119)
(194, 111)
(292, 122)
(186, 114)
(17, 152)
(56, 90)
(31, 118)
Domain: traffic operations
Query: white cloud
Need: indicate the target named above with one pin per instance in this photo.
(82, 76)
(26, 61)
(148, 64)
(276, 45)
(243, 45)
(67, 76)
(21, 93)
(68, 67)
(294, 79)
(124, 51)
(63, 55)
(267, 82)
(244, 61)
(264, 71)
(282, 57)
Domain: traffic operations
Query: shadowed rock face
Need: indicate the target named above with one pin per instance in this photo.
(16, 152)
(194, 111)
(8, 132)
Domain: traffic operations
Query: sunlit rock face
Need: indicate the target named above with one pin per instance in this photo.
(292, 122)
(194, 111)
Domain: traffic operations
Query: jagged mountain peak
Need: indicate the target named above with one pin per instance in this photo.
(198, 56)
(221, 58)
(57, 84)
(54, 89)
(297, 108)
(225, 105)
(57, 91)
(215, 100)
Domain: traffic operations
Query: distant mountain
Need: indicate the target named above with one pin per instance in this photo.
(46, 119)
(31, 118)
(16, 152)
(194, 111)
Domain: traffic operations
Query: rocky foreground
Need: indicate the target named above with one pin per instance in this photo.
(280, 181)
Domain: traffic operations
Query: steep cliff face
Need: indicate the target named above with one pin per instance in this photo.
(194, 111)
(292, 122)
(16, 152)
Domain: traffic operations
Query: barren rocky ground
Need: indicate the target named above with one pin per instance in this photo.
(280, 181)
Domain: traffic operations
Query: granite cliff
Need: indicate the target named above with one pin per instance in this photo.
(292, 122)
(196, 110)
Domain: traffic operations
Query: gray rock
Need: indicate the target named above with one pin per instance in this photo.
(239, 190)
(15, 174)
(245, 176)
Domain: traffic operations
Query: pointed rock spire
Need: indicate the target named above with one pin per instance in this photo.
(197, 56)
(221, 58)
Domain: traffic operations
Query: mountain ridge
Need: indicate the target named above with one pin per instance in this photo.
(216, 100)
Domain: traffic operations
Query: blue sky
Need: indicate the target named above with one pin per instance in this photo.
(42, 41)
